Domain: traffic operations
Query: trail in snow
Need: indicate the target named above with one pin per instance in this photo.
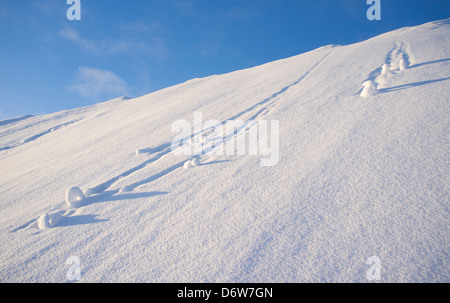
(38, 135)
(14, 120)
(165, 149)
(104, 191)
(254, 112)
(399, 59)
(396, 61)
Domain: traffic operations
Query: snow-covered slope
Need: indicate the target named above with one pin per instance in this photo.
(363, 171)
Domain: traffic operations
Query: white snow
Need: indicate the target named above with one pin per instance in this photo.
(191, 163)
(195, 162)
(369, 89)
(48, 220)
(357, 178)
(125, 189)
(43, 222)
(402, 64)
(74, 196)
(385, 69)
(89, 192)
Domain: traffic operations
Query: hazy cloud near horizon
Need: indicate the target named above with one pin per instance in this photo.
(94, 83)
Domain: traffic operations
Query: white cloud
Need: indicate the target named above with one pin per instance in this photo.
(143, 27)
(49, 7)
(85, 44)
(153, 46)
(97, 83)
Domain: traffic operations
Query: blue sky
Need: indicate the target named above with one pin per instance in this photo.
(132, 48)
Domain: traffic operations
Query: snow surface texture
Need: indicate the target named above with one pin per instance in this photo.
(357, 177)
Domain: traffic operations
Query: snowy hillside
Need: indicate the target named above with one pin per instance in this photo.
(363, 171)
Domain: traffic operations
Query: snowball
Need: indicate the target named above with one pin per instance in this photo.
(43, 222)
(191, 163)
(187, 165)
(195, 162)
(385, 70)
(381, 81)
(55, 218)
(74, 196)
(369, 89)
(49, 220)
(402, 64)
